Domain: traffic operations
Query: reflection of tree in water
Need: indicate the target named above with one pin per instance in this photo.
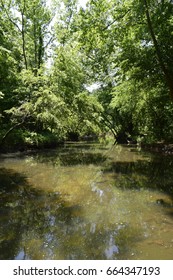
(41, 225)
(60, 232)
(11, 203)
(155, 174)
(72, 158)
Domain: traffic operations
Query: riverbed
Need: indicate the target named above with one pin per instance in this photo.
(86, 201)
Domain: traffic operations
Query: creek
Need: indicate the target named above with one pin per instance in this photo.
(86, 201)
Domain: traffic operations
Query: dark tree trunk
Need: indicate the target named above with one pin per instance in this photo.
(23, 37)
(165, 71)
(40, 48)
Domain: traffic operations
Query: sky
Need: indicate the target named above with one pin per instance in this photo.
(82, 3)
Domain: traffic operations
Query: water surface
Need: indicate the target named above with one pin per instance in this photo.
(86, 201)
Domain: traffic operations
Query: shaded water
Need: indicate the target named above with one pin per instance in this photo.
(86, 202)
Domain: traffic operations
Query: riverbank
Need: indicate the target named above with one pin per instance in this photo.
(20, 141)
(162, 148)
(23, 141)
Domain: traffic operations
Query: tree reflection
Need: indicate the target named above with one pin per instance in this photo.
(154, 174)
(41, 225)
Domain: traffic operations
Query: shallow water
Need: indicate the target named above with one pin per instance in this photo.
(86, 201)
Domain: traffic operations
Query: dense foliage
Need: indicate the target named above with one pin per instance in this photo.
(50, 56)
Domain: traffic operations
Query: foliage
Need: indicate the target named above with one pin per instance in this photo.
(38, 106)
(131, 60)
(123, 47)
(68, 79)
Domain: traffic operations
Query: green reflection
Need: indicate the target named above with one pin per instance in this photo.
(85, 202)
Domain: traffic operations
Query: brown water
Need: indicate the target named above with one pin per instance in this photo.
(86, 201)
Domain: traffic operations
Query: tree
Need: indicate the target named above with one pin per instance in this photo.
(69, 74)
(127, 61)
(168, 7)
(99, 47)
(68, 80)
(31, 21)
(24, 35)
(9, 66)
(123, 47)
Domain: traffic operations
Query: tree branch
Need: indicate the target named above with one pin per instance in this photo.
(117, 19)
(9, 18)
(10, 130)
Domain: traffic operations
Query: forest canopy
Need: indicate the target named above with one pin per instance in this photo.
(69, 72)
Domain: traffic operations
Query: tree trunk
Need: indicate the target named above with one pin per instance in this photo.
(40, 48)
(165, 71)
(23, 37)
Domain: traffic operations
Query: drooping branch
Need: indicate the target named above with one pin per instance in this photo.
(109, 124)
(10, 130)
